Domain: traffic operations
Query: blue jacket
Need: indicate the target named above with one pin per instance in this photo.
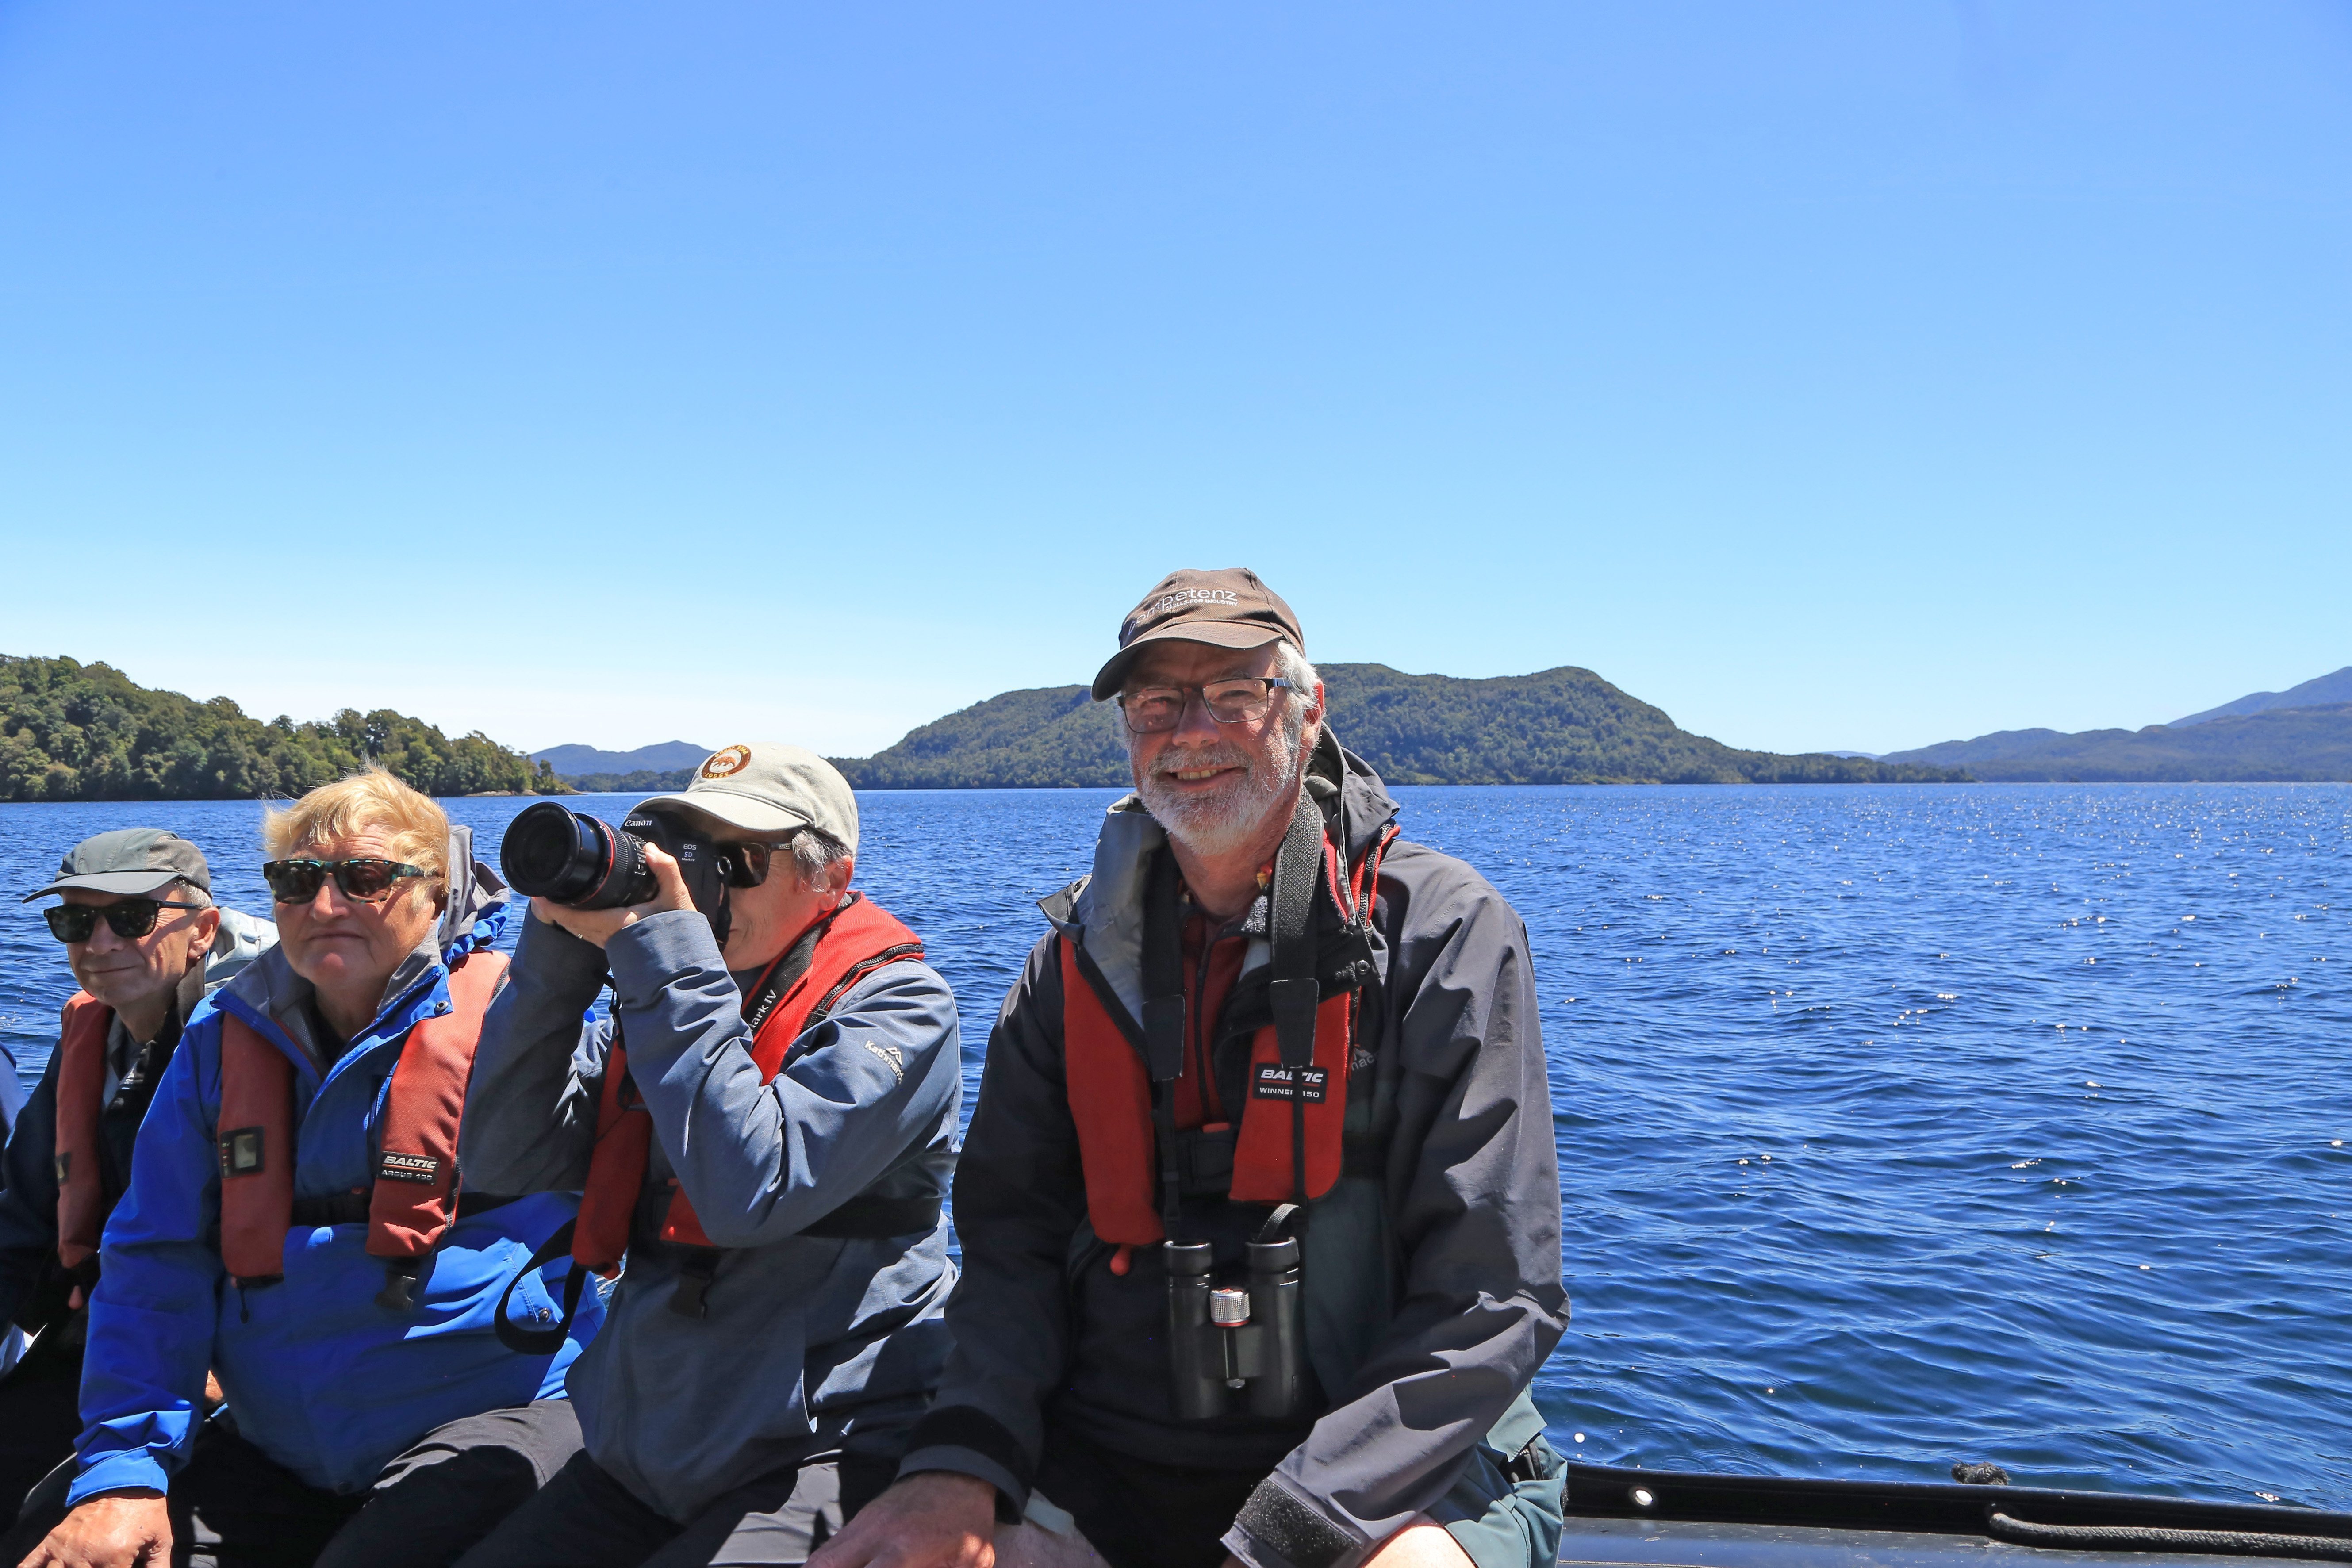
(322, 1379)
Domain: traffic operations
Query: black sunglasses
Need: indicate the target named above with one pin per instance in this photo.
(124, 917)
(747, 861)
(364, 878)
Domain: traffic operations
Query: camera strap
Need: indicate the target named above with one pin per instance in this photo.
(786, 971)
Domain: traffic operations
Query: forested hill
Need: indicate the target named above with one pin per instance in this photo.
(1559, 726)
(86, 731)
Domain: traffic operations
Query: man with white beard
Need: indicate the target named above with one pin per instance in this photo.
(1259, 1205)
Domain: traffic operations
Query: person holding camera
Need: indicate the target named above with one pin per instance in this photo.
(144, 941)
(1259, 1204)
(763, 1126)
(296, 1222)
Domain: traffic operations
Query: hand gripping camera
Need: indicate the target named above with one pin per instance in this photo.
(1240, 1345)
(554, 853)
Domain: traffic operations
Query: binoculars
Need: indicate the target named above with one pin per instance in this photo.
(1236, 1347)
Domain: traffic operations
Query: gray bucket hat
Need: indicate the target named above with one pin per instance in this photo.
(130, 862)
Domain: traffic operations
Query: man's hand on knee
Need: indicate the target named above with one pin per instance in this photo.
(935, 1520)
(117, 1530)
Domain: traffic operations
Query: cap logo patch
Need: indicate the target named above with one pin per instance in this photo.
(1177, 601)
(727, 761)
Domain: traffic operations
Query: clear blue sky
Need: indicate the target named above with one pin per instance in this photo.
(1829, 374)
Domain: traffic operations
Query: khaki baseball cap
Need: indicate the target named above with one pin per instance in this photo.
(1227, 608)
(765, 787)
(129, 862)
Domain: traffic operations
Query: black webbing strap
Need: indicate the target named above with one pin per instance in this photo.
(1205, 1162)
(861, 1218)
(352, 1209)
(548, 1340)
(1292, 994)
(872, 1219)
(1163, 1024)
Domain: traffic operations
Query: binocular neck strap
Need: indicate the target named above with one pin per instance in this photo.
(1291, 993)
(1163, 1024)
(1277, 1225)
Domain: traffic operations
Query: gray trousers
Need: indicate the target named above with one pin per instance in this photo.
(585, 1519)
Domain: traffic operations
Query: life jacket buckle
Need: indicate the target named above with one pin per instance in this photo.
(399, 1292)
(697, 1267)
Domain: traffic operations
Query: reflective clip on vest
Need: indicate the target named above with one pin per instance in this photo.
(240, 1151)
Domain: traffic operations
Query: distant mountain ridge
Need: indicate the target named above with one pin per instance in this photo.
(2302, 735)
(1556, 726)
(2280, 746)
(663, 756)
(2321, 693)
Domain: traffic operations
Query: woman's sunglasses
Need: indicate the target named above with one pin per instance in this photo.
(365, 878)
(124, 917)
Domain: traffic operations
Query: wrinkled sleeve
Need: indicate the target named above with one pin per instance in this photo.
(763, 1161)
(1476, 1216)
(530, 1104)
(1020, 1198)
(153, 1314)
(29, 1197)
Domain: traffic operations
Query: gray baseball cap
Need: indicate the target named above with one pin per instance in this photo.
(130, 862)
(765, 787)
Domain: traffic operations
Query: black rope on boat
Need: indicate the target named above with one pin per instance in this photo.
(2157, 1538)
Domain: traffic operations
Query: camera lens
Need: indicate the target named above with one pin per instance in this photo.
(554, 853)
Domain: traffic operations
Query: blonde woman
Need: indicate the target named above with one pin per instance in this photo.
(296, 1221)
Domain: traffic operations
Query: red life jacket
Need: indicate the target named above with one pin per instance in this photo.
(414, 1195)
(81, 1093)
(852, 943)
(1110, 1095)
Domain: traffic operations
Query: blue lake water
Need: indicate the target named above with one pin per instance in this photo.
(1897, 1125)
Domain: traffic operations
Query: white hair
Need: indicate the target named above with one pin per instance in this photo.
(1292, 665)
(815, 853)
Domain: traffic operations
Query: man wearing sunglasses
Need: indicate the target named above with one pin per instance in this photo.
(765, 1127)
(1259, 1205)
(143, 938)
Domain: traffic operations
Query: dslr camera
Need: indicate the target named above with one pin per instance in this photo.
(555, 853)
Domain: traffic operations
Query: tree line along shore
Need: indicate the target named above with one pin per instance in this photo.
(73, 731)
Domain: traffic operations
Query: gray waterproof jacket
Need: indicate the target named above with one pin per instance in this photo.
(807, 1342)
(1432, 1270)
